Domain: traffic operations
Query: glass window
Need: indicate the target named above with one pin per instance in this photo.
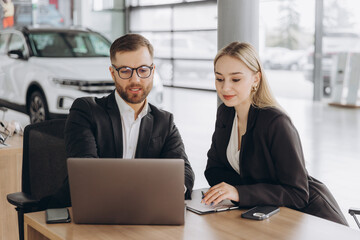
(197, 17)
(161, 42)
(340, 35)
(286, 40)
(194, 73)
(150, 19)
(48, 15)
(152, 2)
(100, 46)
(16, 43)
(100, 5)
(184, 39)
(195, 45)
(73, 44)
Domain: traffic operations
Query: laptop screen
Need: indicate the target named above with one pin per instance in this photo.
(127, 191)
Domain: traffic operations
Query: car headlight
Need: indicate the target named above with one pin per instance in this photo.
(69, 82)
(96, 87)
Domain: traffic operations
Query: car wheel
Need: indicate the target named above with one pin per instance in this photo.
(38, 111)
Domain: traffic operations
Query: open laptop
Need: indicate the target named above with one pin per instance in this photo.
(127, 191)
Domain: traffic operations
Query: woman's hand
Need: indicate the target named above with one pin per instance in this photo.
(220, 192)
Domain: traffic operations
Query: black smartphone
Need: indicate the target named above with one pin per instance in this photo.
(260, 212)
(57, 215)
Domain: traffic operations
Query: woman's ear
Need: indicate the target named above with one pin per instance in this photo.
(257, 78)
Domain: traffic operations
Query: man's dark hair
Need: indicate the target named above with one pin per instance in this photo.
(130, 42)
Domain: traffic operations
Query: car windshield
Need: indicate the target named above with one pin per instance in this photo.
(69, 44)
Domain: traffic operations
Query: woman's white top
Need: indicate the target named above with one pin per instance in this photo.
(232, 152)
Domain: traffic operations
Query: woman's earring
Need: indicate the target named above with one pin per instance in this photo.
(254, 88)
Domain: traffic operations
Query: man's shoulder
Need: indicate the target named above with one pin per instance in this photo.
(91, 101)
(157, 112)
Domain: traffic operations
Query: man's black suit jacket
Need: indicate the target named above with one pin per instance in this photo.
(93, 129)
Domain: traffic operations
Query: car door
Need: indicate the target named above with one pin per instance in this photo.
(14, 70)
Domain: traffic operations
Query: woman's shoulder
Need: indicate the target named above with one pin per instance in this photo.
(224, 111)
(271, 114)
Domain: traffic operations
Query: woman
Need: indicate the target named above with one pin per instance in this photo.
(256, 156)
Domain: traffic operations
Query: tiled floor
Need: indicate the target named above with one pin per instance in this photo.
(330, 138)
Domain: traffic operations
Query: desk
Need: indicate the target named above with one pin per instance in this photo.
(287, 224)
(10, 181)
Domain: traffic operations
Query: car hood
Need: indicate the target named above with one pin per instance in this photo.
(89, 69)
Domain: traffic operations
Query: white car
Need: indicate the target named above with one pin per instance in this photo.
(43, 70)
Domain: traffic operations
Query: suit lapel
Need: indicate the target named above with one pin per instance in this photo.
(225, 133)
(114, 114)
(145, 132)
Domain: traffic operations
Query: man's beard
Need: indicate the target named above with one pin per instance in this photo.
(133, 98)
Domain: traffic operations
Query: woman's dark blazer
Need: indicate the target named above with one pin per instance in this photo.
(272, 166)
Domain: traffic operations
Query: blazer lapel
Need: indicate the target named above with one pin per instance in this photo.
(114, 114)
(145, 133)
(225, 133)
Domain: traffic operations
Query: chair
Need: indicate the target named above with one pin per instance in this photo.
(44, 167)
(353, 212)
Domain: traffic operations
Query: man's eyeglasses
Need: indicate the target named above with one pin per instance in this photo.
(127, 72)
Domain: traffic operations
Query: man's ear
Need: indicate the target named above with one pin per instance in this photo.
(112, 72)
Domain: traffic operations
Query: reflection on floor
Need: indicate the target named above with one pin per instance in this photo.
(330, 138)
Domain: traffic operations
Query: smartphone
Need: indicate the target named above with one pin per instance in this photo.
(260, 212)
(57, 215)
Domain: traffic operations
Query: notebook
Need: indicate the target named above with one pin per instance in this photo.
(127, 191)
(196, 206)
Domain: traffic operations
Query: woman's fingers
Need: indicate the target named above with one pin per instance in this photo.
(214, 195)
(220, 192)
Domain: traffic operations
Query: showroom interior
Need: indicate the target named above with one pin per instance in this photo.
(309, 50)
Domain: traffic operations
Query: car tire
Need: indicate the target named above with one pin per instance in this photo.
(37, 107)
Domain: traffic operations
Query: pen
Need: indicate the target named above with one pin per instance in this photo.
(203, 194)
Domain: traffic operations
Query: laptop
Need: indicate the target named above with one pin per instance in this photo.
(196, 206)
(127, 191)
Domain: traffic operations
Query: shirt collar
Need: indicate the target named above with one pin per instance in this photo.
(125, 109)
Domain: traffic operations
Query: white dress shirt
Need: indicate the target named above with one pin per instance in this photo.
(130, 126)
(232, 152)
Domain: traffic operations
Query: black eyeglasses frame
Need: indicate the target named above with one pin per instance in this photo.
(151, 67)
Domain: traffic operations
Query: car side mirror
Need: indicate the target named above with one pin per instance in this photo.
(16, 54)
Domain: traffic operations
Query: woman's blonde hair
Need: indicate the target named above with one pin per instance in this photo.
(246, 53)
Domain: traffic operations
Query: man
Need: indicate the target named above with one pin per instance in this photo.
(123, 124)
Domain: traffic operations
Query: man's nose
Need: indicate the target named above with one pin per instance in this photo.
(135, 77)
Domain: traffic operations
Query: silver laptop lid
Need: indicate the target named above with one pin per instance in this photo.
(127, 191)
